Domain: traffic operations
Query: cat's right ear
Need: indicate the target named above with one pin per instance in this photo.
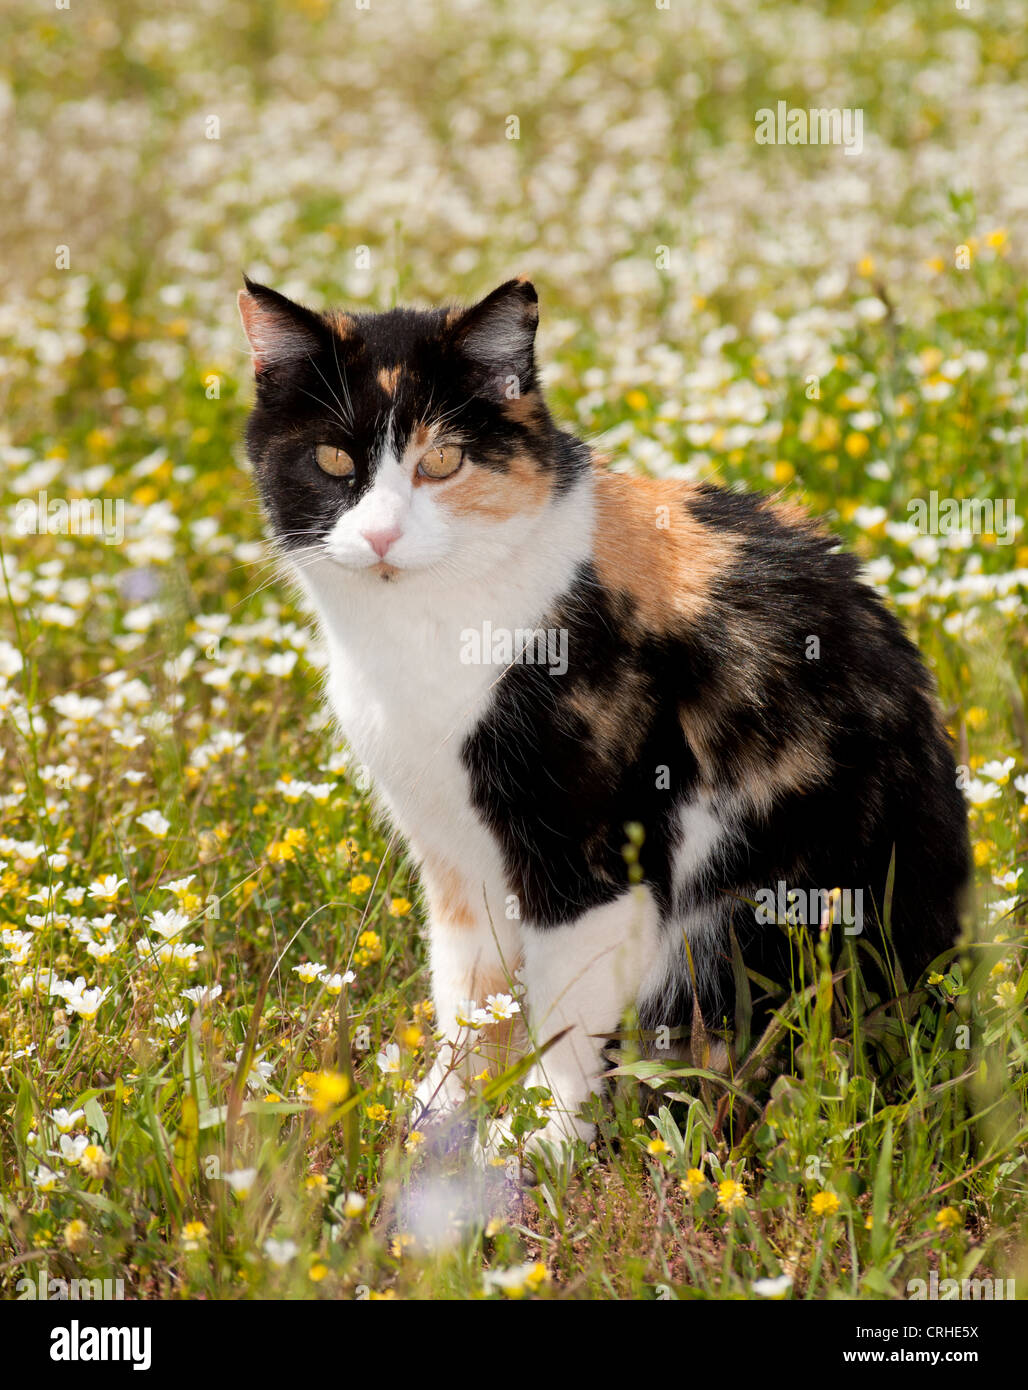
(277, 329)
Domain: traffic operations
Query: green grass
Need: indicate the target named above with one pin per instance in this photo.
(895, 1143)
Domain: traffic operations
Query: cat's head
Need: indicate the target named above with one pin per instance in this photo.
(404, 441)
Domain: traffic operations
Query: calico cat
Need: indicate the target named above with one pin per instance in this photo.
(531, 653)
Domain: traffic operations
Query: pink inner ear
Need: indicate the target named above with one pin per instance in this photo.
(258, 326)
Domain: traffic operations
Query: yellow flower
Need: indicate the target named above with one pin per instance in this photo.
(399, 907)
(279, 852)
(95, 1163)
(297, 837)
(317, 1272)
(935, 264)
(656, 1147)
(194, 1233)
(866, 267)
(976, 717)
(360, 883)
(326, 1089)
(983, 852)
(414, 1141)
(856, 444)
(377, 1113)
(825, 1204)
(948, 1219)
(316, 1184)
(730, 1195)
(637, 400)
(694, 1182)
(997, 240)
(935, 978)
(76, 1236)
(412, 1037)
(783, 471)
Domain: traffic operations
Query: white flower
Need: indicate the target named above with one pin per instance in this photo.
(202, 994)
(389, 1060)
(309, 971)
(241, 1181)
(280, 664)
(87, 1002)
(44, 1178)
(354, 1204)
(73, 1147)
(173, 1022)
(979, 792)
(66, 1120)
(155, 823)
(334, 983)
(773, 1288)
(999, 772)
(168, 924)
(280, 1252)
(501, 1006)
(106, 889)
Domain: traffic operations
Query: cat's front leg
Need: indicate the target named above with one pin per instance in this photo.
(579, 981)
(472, 958)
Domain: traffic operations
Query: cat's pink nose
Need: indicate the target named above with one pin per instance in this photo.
(380, 541)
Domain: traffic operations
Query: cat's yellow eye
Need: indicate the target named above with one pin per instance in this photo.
(337, 462)
(441, 461)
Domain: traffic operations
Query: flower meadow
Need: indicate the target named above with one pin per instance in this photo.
(214, 1000)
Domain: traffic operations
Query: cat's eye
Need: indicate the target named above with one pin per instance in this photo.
(441, 461)
(337, 462)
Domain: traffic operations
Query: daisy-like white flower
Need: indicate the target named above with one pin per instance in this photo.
(66, 1120)
(87, 1002)
(389, 1059)
(106, 889)
(280, 663)
(44, 1178)
(72, 1147)
(501, 1006)
(999, 772)
(979, 793)
(172, 1022)
(280, 1252)
(202, 994)
(469, 1015)
(178, 886)
(773, 1288)
(168, 925)
(309, 971)
(155, 823)
(101, 951)
(354, 1204)
(334, 983)
(241, 1181)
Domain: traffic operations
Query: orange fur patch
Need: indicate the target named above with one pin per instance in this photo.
(447, 894)
(524, 409)
(388, 378)
(649, 546)
(485, 492)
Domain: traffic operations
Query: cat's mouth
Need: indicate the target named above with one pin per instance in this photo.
(387, 573)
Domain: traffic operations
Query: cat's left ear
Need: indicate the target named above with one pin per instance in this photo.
(497, 336)
(278, 330)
